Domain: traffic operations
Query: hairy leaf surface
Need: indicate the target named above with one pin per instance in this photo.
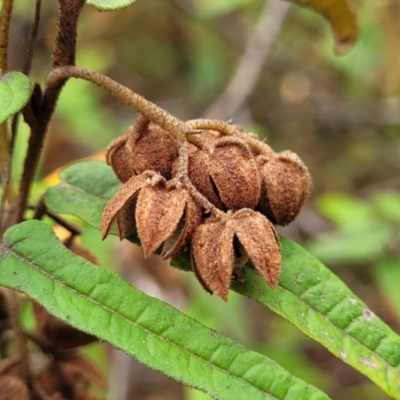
(101, 303)
(324, 308)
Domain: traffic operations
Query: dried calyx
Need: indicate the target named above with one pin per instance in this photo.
(217, 191)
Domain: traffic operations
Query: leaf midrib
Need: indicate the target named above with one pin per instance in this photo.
(388, 367)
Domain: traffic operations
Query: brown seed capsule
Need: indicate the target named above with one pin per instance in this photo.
(285, 187)
(213, 249)
(154, 150)
(226, 174)
(164, 213)
(120, 159)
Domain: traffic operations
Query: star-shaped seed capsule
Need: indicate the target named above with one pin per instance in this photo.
(162, 211)
(219, 242)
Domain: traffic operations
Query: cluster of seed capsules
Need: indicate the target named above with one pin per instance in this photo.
(220, 198)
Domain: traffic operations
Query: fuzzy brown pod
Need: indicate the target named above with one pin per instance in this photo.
(285, 187)
(142, 148)
(151, 149)
(164, 211)
(219, 242)
(118, 156)
(226, 174)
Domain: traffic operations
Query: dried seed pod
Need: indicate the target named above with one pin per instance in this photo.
(214, 252)
(226, 174)
(154, 150)
(164, 212)
(120, 159)
(285, 187)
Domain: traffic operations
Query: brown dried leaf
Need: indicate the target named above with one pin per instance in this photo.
(158, 212)
(122, 197)
(13, 388)
(76, 367)
(212, 256)
(58, 334)
(9, 366)
(235, 173)
(260, 240)
(341, 18)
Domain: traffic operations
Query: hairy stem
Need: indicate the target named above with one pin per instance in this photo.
(5, 161)
(13, 307)
(145, 107)
(5, 19)
(27, 63)
(225, 128)
(63, 54)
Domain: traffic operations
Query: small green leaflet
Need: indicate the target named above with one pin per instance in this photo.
(15, 91)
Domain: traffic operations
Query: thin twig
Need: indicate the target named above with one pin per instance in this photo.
(5, 172)
(5, 19)
(41, 210)
(250, 65)
(27, 63)
(13, 308)
(63, 54)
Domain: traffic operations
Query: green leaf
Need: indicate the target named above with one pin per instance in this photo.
(110, 5)
(309, 295)
(325, 309)
(15, 91)
(85, 191)
(100, 302)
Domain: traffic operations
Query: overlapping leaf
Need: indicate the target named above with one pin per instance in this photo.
(341, 18)
(15, 91)
(308, 294)
(100, 302)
